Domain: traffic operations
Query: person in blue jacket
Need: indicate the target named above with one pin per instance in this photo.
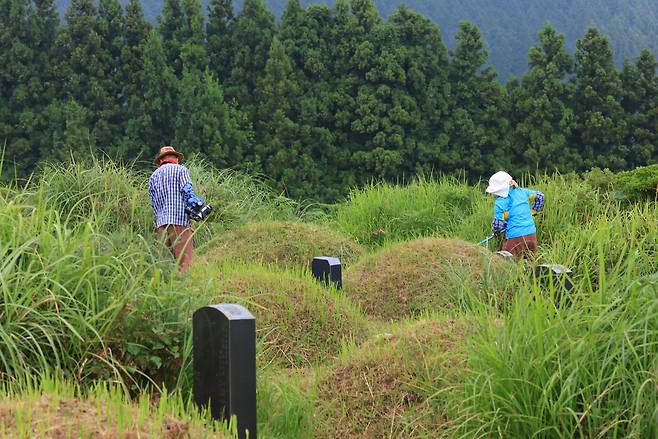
(514, 211)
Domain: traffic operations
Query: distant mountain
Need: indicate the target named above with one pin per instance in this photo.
(510, 26)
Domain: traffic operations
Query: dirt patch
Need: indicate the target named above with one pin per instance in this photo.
(48, 417)
(283, 243)
(423, 275)
(385, 387)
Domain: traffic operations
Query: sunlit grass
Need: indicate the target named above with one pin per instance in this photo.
(52, 407)
(578, 372)
(86, 294)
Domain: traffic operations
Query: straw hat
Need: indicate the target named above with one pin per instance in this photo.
(167, 150)
(499, 184)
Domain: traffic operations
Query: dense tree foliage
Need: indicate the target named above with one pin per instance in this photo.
(330, 97)
(541, 119)
(509, 26)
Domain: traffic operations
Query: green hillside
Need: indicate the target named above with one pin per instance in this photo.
(431, 336)
(510, 26)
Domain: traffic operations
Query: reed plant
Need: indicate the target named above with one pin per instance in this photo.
(383, 212)
(585, 371)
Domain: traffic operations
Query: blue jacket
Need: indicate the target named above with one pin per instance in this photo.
(513, 214)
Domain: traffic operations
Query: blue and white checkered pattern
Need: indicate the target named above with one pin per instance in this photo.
(498, 226)
(167, 200)
(538, 205)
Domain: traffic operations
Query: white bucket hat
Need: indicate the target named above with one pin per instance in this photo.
(499, 184)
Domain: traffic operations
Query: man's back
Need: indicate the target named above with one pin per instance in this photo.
(167, 199)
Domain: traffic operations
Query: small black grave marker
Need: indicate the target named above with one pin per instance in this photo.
(327, 270)
(557, 275)
(224, 362)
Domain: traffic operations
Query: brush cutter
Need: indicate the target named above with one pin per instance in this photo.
(486, 240)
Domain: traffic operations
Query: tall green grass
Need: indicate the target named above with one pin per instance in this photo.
(614, 248)
(101, 192)
(114, 197)
(569, 203)
(384, 212)
(85, 288)
(583, 372)
(66, 294)
(238, 198)
(285, 403)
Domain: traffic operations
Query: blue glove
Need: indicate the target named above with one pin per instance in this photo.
(192, 200)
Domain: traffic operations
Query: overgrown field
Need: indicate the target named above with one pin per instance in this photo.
(431, 336)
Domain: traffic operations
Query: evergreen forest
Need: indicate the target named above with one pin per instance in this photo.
(324, 99)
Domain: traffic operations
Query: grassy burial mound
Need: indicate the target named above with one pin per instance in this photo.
(283, 243)
(387, 387)
(298, 322)
(424, 275)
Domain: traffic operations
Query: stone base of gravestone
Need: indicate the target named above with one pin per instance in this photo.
(505, 254)
(224, 364)
(327, 270)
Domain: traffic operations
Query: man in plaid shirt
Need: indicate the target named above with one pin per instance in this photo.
(170, 190)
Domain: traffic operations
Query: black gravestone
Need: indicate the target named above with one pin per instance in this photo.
(557, 276)
(327, 270)
(224, 363)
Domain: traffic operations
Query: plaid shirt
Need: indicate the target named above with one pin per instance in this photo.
(167, 200)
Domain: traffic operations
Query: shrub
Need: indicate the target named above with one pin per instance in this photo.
(639, 184)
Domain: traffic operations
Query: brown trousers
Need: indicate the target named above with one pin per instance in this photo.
(522, 246)
(179, 241)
